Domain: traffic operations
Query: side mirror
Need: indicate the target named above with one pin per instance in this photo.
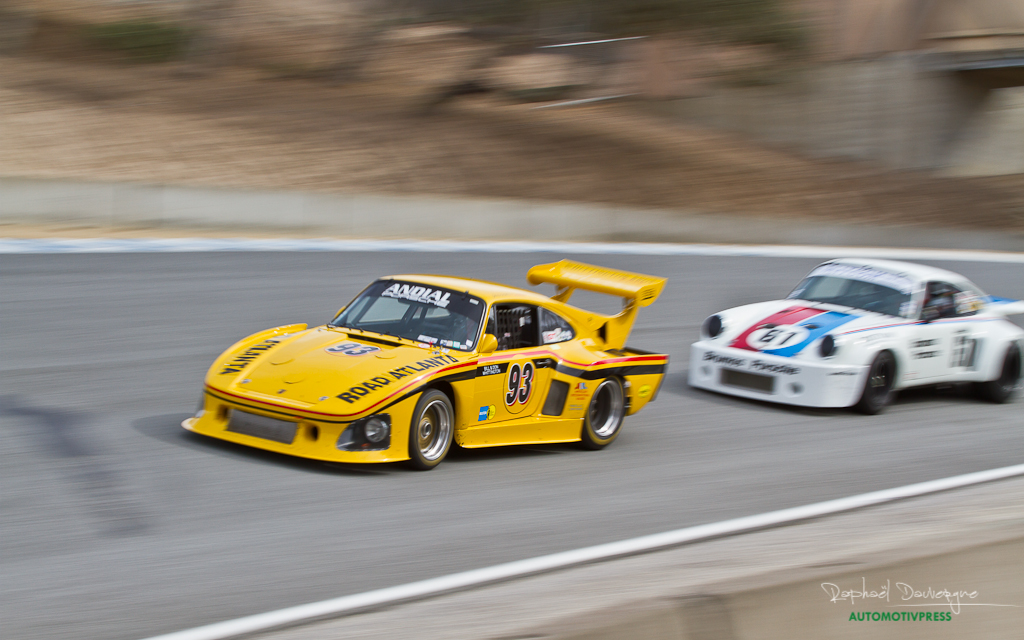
(489, 344)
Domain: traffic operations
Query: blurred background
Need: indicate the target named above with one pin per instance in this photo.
(117, 524)
(905, 111)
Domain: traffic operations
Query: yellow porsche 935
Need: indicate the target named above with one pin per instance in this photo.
(416, 362)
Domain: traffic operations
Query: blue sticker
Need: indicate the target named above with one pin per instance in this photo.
(482, 415)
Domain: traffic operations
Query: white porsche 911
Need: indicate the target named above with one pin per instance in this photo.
(854, 332)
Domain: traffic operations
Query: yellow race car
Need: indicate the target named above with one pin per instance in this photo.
(415, 362)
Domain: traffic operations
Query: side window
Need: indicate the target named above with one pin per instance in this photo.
(553, 328)
(943, 300)
(513, 325)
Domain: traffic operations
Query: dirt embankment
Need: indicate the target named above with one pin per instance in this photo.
(61, 116)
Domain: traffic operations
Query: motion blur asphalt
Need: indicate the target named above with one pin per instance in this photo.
(119, 524)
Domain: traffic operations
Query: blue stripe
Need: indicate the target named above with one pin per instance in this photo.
(823, 322)
(997, 300)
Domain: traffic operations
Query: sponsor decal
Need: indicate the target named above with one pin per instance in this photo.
(242, 360)
(556, 335)
(491, 369)
(926, 353)
(368, 386)
(417, 293)
(784, 369)
(427, 339)
(351, 349)
(843, 373)
(728, 360)
(575, 407)
(644, 391)
(755, 365)
(519, 384)
(967, 303)
(865, 273)
(579, 391)
(486, 413)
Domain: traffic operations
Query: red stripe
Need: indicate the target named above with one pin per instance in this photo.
(408, 385)
(789, 315)
(560, 358)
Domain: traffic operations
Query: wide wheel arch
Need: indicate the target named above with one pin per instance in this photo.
(872, 399)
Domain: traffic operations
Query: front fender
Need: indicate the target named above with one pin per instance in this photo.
(249, 341)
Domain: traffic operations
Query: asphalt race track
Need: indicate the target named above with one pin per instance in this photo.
(117, 524)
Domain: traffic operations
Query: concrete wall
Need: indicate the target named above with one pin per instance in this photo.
(993, 142)
(32, 201)
(896, 110)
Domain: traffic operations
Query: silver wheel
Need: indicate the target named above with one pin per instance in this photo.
(606, 408)
(433, 431)
(604, 415)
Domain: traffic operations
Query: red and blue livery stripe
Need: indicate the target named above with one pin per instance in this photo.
(816, 322)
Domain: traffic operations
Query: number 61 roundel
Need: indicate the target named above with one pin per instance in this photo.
(519, 384)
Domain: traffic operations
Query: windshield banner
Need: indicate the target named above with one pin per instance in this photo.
(866, 274)
(417, 293)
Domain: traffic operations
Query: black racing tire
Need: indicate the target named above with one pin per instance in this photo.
(605, 413)
(1003, 388)
(878, 387)
(431, 430)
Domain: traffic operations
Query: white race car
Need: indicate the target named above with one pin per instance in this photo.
(856, 331)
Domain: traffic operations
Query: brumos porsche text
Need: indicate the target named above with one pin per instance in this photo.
(360, 390)
(756, 365)
(243, 359)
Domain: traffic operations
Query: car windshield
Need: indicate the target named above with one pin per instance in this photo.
(414, 311)
(858, 287)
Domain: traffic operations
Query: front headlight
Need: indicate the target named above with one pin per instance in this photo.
(712, 327)
(375, 429)
(368, 434)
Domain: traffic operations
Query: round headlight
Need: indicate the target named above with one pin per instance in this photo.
(712, 326)
(375, 430)
(828, 346)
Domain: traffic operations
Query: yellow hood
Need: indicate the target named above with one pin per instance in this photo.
(321, 365)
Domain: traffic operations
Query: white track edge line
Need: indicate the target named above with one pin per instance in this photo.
(178, 245)
(521, 568)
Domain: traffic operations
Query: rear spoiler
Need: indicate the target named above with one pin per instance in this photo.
(637, 290)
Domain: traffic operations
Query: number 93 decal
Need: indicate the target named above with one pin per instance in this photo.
(352, 349)
(768, 338)
(520, 384)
